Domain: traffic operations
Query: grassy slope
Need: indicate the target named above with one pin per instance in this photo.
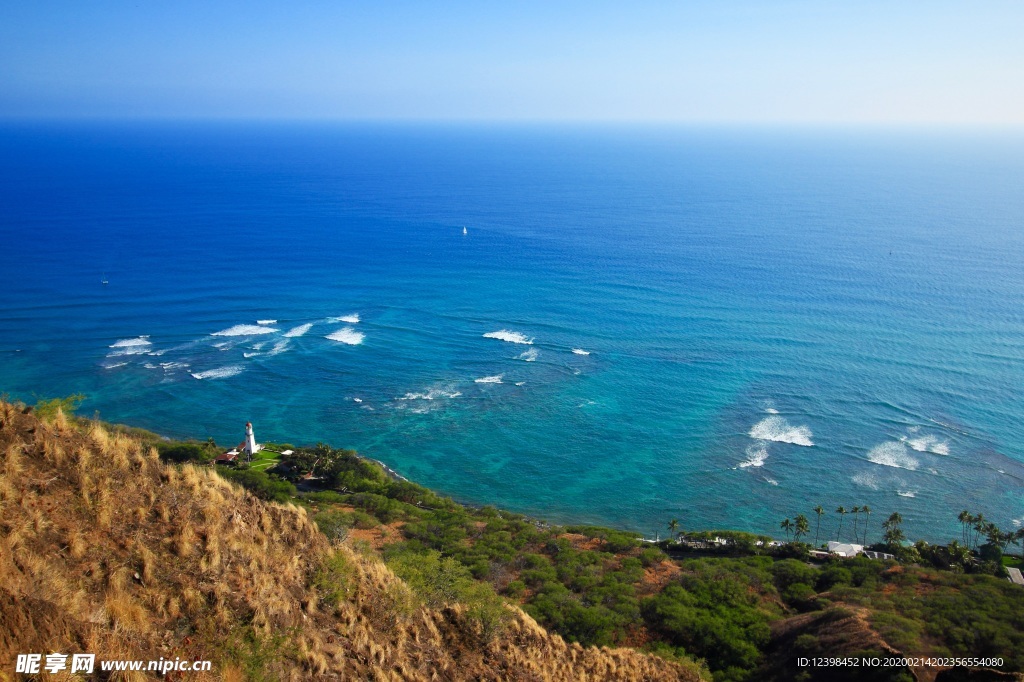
(748, 616)
(104, 548)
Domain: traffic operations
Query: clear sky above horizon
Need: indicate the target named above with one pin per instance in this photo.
(707, 62)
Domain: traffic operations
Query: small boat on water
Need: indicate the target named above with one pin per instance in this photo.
(464, 230)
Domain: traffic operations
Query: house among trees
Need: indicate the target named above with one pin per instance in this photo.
(848, 551)
(844, 549)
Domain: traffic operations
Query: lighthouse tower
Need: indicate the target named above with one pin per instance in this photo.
(250, 448)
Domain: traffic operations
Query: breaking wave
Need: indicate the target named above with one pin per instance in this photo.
(580, 351)
(529, 355)
(510, 336)
(245, 330)
(866, 479)
(756, 456)
(347, 335)
(907, 493)
(136, 346)
(266, 321)
(779, 430)
(299, 331)
(496, 379)
(219, 373)
(893, 455)
(928, 444)
(347, 319)
(431, 394)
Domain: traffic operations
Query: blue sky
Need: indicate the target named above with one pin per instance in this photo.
(722, 62)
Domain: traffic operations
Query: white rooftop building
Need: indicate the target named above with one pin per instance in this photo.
(844, 549)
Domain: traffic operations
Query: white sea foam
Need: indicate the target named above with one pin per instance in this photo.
(866, 479)
(279, 347)
(219, 373)
(137, 341)
(496, 379)
(115, 365)
(245, 330)
(266, 321)
(771, 410)
(138, 346)
(357, 400)
(892, 454)
(510, 336)
(928, 444)
(520, 383)
(347, 335)
(779, 430)
(756, 456)
(298, 331)
(259, 346)
(907, 493)
(529, 355)
(431, 394)
(580, 351)
(347, 319)
(770, 481)
(171, 366)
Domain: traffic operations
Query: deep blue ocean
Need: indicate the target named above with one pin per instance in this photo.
(724, 326)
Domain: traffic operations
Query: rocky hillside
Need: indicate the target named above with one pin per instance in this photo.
(105, 549)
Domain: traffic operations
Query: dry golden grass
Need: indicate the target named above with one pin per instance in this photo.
(105, 549)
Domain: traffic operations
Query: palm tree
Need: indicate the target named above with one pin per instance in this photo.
(673, 527)
(802, 526)
(894, 536)
(855, 511)
(1015, 536)
(866, 510)
(842, 512)
(787, 526)
(819, 511)
(979, 525)
(964, 518)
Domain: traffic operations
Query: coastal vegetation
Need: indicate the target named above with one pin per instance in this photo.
(727, 605)
(104, 548)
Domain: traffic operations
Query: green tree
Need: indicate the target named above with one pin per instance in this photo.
(819, 511)
(842, 512)
(856, 512)
(964, 518)
(866, 510)
(801, 527)
(673, 527)
(787, 526)
(979, 522)
(894, 536)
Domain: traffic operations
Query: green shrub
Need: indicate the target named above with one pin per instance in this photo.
(264, 486)
(46, 409)
(334, 524)
(790, 571)
(180, 452)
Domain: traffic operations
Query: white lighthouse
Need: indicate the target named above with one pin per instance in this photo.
(250, 448)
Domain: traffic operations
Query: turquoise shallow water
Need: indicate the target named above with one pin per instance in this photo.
(774, 319)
